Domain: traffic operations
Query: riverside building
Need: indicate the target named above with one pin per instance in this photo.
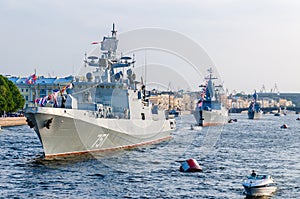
(34, 87)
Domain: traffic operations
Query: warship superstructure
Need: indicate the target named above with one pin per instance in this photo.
(106, 110)
(210, 109)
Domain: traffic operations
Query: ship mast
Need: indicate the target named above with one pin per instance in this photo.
(109, 46)
(210, 70)
(113, 32)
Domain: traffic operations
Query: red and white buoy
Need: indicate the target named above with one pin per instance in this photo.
(284, 126)
(190, 165)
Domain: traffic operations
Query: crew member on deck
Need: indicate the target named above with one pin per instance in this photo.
(63, 101)
(253, 174)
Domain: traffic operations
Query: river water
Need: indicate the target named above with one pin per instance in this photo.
(227, 154)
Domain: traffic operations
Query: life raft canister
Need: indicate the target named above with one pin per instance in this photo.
(190, 165)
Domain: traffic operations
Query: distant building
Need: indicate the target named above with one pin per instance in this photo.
(41, 87)
(285, 103)
(174, 100)
(265, 100)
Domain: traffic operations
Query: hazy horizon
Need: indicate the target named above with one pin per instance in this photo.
(251, 43)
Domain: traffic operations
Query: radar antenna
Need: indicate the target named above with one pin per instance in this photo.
(85, 59)
(113, 32)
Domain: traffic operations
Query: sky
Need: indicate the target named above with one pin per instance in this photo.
(252, 43)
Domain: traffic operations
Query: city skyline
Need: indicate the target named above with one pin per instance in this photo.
(252, 43)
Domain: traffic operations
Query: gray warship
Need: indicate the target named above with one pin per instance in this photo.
(107, 110)
(254, 110)
(210, 109)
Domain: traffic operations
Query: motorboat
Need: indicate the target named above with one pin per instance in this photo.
(259, 185)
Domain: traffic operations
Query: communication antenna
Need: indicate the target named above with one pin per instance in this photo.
(145, 76)
(85, 59)
(113, 32)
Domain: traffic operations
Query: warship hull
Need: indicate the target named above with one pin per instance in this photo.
(64, 132)
(255, 115)
(211, 118)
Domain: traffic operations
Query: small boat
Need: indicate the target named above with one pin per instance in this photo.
(196, 127)
(259, 185)
(232, 120)
(254, 111)
(277, 114)
(280, 112)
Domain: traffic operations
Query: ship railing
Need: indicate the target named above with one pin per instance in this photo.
(107, 113)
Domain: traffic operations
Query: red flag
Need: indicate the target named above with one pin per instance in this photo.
(31, 79)
(200, 102)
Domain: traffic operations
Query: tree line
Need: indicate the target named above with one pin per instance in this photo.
(11, 99)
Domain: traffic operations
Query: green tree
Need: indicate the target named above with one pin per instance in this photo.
(3, 91)
(18, 99)
(11, 99)
(3, 106)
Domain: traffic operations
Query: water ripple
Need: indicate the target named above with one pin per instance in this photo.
(153, 171)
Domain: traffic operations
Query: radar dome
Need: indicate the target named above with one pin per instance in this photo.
(89, 77)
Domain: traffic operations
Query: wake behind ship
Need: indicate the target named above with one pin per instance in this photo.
(108, 110)
(210, 109)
